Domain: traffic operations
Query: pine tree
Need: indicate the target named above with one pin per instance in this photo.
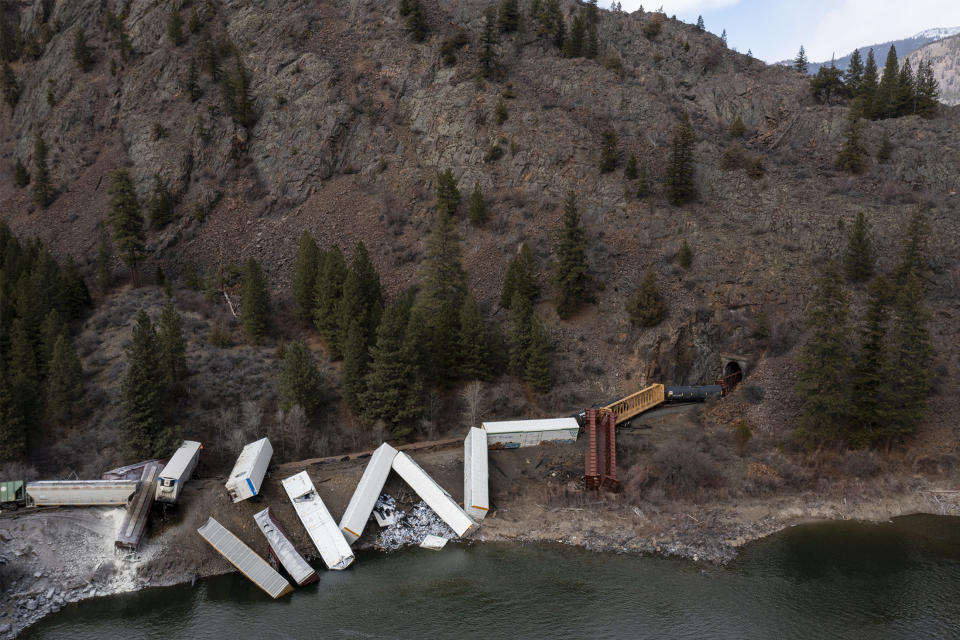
(854, 74)
(825, 363)
(700, 24)
(64, 379)
(738, 129)
(500, 114)
(160, 204)
(300, 381)
(887, 90)
(521, 330)
(417, 25)
(126, 221)
(327, 296)
(800, 62)
(573, 45)
(74, 294)
(473, 342)
(171, 351)
(104, 261)
(362, 301)
(852, 156)
(914, 258)
(909, 376)
(82, 55)
(13, 428)
(537, 370)
(571, 261)
(521, 277)
(254, 302)
(175, 25)
(21, 177)
(647, 308)
(591, 44)
(448, 196)
(858, 259)
(643, 184)
(143, 427)
(393, 386)
(305, 277)
(356, 362)
(868, 88)
(630, 170)
(827, 84)
(243, 112)
(723, 37)
(870, 404)
(489, 63)
(509, 18)
(478, 206)
(885, 150)
(193, 81)
(685, 255)
(906, 103)
(8, 82)
(436, 312)
(42, 191)
(927, 90)
(681, 188)
(24, 376)
(608, 152)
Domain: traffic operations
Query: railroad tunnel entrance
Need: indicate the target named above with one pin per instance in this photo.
(732, 368)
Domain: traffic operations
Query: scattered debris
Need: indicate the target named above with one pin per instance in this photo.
(412, 527)
(433, 542)
(385, 510)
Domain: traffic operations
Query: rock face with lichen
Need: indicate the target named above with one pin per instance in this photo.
(354, 120)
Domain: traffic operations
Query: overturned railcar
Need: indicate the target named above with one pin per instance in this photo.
(434, 495)
(81, 493)
(177, 471)
(244, 559)
(476, 497)
(284, 550)
(247, 474)
(318, 522)
(530, 433)
(355, 517)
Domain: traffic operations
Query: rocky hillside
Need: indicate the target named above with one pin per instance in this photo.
(944, 55)
(353, 120)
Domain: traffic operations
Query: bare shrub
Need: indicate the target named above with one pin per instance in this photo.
(896, 193)
(861, 463)
(683, 467)
(636, 481)
(474, 401)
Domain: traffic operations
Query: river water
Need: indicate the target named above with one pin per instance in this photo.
(826, 580)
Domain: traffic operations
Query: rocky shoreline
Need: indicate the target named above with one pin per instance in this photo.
(711, 534)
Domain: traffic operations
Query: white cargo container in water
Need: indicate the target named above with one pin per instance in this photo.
(177, 471)
(476, 497)
(368, 490)
(434, 495)
(247, 475)
(244, 559)
(318, 522)
(283, 550)
(530, 433)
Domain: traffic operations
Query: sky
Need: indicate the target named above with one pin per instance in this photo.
(773, 30)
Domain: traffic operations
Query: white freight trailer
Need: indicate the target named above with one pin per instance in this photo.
(177, 471)
(433, 494)
(247, 475)
(530, 433)
(283, 550)
(368, 490)
(318, 522)
(476, 497)
(81, 493)
(244, 559)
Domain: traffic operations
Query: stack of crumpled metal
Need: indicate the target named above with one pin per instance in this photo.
(411, 527)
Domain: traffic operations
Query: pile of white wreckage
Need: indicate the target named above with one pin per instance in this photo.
(431, 522)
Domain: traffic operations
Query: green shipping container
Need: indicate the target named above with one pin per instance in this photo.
(11, 492)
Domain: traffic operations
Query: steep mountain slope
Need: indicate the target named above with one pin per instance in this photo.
(355, 119)
(944, 55)
(904, 47)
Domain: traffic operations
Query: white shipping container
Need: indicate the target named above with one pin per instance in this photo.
(476, 496)
(177, 471)
(244, 559)
(530, 433)
(355, 518)
(247, 475)
(433, 494)
(318, 522)
(284, 550)
(81, 493)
